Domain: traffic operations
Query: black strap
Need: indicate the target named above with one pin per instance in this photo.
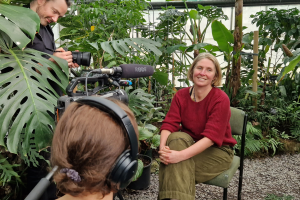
(119, 195)
(191, 91)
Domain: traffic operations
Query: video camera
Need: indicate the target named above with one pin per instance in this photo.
(105, 78)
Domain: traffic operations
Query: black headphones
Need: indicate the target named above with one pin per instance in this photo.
(126, 165)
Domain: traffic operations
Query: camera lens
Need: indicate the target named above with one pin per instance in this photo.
(82, 58)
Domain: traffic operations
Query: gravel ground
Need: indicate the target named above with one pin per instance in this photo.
(279, 175)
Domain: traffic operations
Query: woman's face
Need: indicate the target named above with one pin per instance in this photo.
(204, 73)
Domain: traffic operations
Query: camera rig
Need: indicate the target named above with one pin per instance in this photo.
(105, 79)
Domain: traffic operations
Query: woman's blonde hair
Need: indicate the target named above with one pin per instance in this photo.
(218, 76)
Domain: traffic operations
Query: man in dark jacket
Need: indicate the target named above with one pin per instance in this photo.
(49, 11)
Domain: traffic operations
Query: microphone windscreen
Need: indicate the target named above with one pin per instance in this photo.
(136, 70)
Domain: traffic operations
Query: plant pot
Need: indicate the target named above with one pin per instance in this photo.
(143, 181)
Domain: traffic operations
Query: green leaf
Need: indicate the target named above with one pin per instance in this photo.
(248, 38)
(282, 90)
(6, 171)
(94, 45)
(194, 14)
(155, 141)
(106, 47)
(111, 64)
(124, 46)
(201, 45)
(150, 127)
(140, 44)
(172, 49)
(148, 44)
(28, 98)
(133, 44)
(161, 77)
(139, 170)
(222, 36)
(290, 67)
(14, 32)
(267, 49)
(25, 19)
(116, 46)
(144, 133)
(251, 92)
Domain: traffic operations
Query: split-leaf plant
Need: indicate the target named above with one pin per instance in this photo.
(26, 98)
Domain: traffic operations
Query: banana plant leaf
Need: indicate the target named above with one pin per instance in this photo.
(22, 22)
(26, 98)
(290, 67)
(222, 36)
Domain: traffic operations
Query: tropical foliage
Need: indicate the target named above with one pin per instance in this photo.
(26, 97)
(108, 30)
(104, 27)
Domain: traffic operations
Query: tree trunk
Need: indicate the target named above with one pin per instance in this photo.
(235, 82)
(198, 32)
(255, 67)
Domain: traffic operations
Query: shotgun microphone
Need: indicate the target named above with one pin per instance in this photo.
(128, 71)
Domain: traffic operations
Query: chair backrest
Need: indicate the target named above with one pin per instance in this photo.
(237, 121)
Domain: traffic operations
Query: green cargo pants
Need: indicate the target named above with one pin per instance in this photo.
(177, 181)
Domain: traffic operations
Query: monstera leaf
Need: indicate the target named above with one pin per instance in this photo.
(18, 23)
(26, 98)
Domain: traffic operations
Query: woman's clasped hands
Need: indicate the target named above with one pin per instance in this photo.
(168, 156)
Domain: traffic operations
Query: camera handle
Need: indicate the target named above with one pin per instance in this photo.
(74, 82)
(42, 185)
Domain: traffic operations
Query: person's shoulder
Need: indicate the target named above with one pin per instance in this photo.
(220, 94)
(183, 92)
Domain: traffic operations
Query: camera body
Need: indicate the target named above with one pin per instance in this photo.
(103, 80)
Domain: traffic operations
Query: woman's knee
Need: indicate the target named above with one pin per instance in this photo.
(179, 140)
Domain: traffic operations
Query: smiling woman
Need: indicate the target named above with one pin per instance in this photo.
(202, 149)
(205, 72)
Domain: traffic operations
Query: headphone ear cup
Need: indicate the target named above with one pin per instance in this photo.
(129, 173)
(124, 169)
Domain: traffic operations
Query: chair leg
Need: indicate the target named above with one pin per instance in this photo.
(240, 183)
(225, 194)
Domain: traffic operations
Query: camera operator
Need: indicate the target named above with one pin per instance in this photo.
(87, 144)
(49, 11)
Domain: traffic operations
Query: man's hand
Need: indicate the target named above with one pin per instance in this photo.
(169, 156)
(66, 55)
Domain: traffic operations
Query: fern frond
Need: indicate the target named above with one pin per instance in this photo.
(295, 132)
(7, 171)
(252, 130)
